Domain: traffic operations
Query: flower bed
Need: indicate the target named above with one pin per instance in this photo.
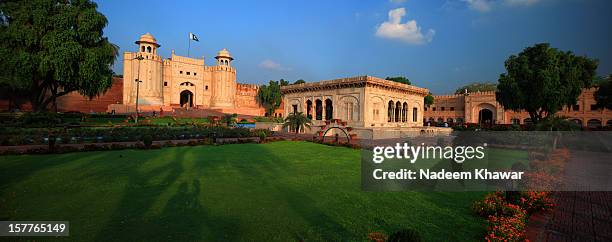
(507, 221)
(507, 213)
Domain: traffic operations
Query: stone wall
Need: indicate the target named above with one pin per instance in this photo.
(465, 109)
(76, 102)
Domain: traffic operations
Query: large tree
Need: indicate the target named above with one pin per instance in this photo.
(477, 87)
(542, 80)
(428, 100)
(400, 79)
(49, 48)
(269, 96)
(603, 95)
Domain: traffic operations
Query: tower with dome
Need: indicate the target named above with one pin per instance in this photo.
(183, 82)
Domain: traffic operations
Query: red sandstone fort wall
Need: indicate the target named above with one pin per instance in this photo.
(582, 113)
(77, 102)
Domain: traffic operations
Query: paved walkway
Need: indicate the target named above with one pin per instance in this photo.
(579, 216)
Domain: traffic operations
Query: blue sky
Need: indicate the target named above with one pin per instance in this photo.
(437, 44)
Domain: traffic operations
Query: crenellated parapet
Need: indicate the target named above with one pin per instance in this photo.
(358, 81)
(448, 96)
(187, 60)
(247, 89)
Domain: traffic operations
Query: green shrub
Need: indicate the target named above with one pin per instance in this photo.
(39, 119)
(147, 140)
(262, 137)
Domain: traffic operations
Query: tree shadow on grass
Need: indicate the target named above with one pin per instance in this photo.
(265, 168)
(19, 168)
(304, 206)
(183, 218)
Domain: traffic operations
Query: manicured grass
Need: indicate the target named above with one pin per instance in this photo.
(282, 191)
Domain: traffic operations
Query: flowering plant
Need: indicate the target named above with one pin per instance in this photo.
(491, 205)
(377, 237)
(507, 228)
(533, 201)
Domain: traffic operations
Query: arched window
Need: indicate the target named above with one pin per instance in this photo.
(348, 111)
(142, 48)
(449, 120)
(405, 112)
(415, 113)
(440, 120)
(390, 112)
(309, 109)
(329, 109)
(319, 109)
(594, 123)
(149, 49)
(398, 111)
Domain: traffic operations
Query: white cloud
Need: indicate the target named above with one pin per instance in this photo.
(272, 65)
(408, 32)
(479, 5)
(397, 1)
(521, 2)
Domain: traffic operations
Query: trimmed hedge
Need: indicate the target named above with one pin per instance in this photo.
(27, 136)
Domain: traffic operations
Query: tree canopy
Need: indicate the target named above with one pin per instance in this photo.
(283, 83)
(477, 87)
(269, 96)
(49, 48)
(603, 95)
(428, 100)
(300, 81)
(542, 80)
(399, 79)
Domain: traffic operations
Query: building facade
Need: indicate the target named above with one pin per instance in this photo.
(482, 107)
(372, 106)
(183, 82)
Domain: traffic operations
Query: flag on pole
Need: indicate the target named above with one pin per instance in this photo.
(193, 37)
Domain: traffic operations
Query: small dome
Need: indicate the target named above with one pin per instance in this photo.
(224, 53)
(147, 38)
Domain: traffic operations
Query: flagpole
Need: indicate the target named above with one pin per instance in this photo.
(189, 46)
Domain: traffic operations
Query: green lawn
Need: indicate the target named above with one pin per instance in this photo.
(281, 191)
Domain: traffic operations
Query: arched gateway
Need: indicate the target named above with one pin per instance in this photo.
(186, 99)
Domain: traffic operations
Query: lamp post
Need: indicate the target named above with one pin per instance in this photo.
(138, 81)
